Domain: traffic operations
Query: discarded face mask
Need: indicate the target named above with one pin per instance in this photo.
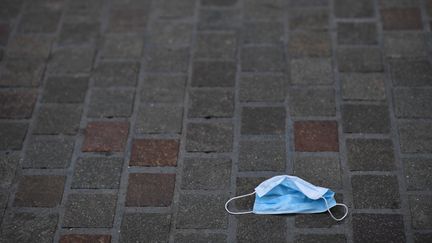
(290, 194)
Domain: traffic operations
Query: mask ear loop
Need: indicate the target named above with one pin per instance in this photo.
(337, 204)
(237, 197)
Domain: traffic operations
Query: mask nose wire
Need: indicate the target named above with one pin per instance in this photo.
(337, 204)
(237, 197)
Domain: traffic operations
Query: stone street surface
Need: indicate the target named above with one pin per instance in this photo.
(135, 120)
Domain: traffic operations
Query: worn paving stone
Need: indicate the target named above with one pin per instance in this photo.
(4, 197)
(411, 73)
(262, 59)
(154, 152)
(175, 9)
(196, 174)
(58, 119)
(97, 173)
(163, 89)
(76, 33)
(211, 103)
(261, 228)
(170, 33)
(219, 3)
(308, 18)
(245, 185)
(264, 10)
(82, 10)
(359, 59)
(200, 238)
(370, 154)
(128, 19)
(81, 238)
(39, 191)
(71, 60)
(412, 102)
(149, 226)
(218, 19)
(159, 119)
(12, 135)
(263, 32)
(262, 87)
(401, 19)
(25, 46)
(108, 74)
(49, 152)
(89, 211)
(21, 73)
(312, 102)
(62, 89)
(150, 190)
(422, 237)
(417, 171)
(314, 238)
(9, 9)
(216, 45)
(309, 44)
(168, 59)
(363, 86)
(352, 33)
(9, 163)
(4, 33)
(405, 44)
(209, 137)
(320, 171)
(111, 103)
(375, 191)
(360, 118)
(262, 156)
(17, 104)
(421, 211)
(202, 211)
(213, 74)
(122, 46)
(311, 71)
(315, 136)
(385, 4)
(415, 136)
(263, 120)
(39, 22)
(103, 136)
(378, 228)
(353, 8)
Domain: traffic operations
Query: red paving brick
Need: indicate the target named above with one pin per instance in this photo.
(154, 152)
(40, 191)
(85, 239)
(401, 19)
(17, 104)
(316, 136)
(105, 137)
(154, 190)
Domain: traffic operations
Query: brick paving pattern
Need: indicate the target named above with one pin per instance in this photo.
(135, 120)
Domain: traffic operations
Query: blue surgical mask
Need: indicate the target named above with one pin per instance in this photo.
(290, 194)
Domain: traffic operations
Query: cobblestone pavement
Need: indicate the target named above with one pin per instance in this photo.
(135, 120)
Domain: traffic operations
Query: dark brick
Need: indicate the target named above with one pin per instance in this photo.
(122, 46)
(262, 87)
(12, 135)
(261, 228)
(263, 32)
(312, 102)
(320, 171)
(4, 33)
(17, 104)
(154, 152)
(370, 154)
(421, 211)
(363, 86)
(154, 190)
(75, 238)
(202, 211)
(9, 163)
(309, 44)
(128, 19)
(405, 44)
(79, 33)
(211, 103)
(71, 60)
(214, 74)
(159, 119)
(262, 156)
(417, 171)
(377, 228)
(105, 136)
(111, 103)
(246, 185)
(316, 238)
(58, 119)
(314, 136)
(168, 59)
(359, 118)
(422, 237)
(263, 120)
(218, 19)
(51, 152)
(170, 33)
(18, 72)
(39, 22)
(359, 59)
(175, 9)
(353, 8)
(267, 9)
(311, 71)
(401, 19)
(39, 191)
(370, 191)
(413, 102)
(415, 136)
(137, 227)
(309, 18)
(203, 137)
(29, 47)
(218, 3)
(196, 174)
(216, 45)
(109, 74)
(89, 211)
(65, 89)
(262, 59)
(97, 173)
(411, 73)
(163, 89)
(357, 33)
(201, 238)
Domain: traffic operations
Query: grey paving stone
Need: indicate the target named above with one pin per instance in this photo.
(9, 163)
(76, 33)
(262, 59)
(21, 72)
(398, 3)
(213, 74)
(49, 152)
(308, 18)
(262, 87)
(261, 228)
(71, 60)
(360, 118)
(218, 19)
(196, 174)
(4, 196)
(264, 10)
(315, 238)
(422, 237)
(263, 32)
(12, 135)
(262, 156)
(377, 228)
(246, 185)
(352, 33)
(39, 22)
(29, 227)
(320, 171)
(168, 59)
(413, 102)
(263, 120)
(9, 9)
(202, 211)
(415, 136)
(312, 102)
(211, 103)
(363, 86)
(219, 3)
(97, 173)
(128, 17)
(89, 211)
(159, 119)
(122, 46)
(375, 191)
(211, 137)
(417, 173)
(404, 44)
(58, 119)
(109, 74)
(152, 227)
(370, 154)
(359, 59)
(216, 45)
(309, 44)
(421, 211)
(29, 46)
(200, 238)
(311, 71)
(62, 89)
(353, 8)
(82, 10)
(175, 9)
(163, 89)
(170, 33)
(411, 73)
(111, 103)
